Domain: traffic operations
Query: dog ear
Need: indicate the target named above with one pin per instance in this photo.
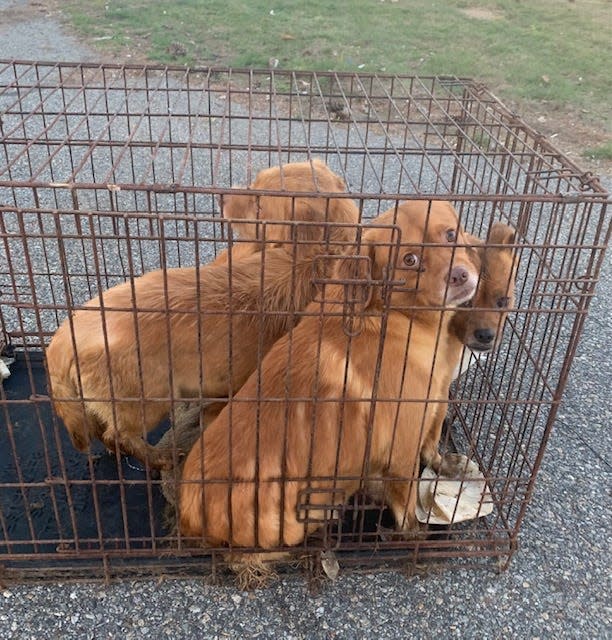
(344, 210)
(319, 236)
(501, 233)
(475, 241)
(340, 184)
(234, 205)
(322, 171)
(475, 250)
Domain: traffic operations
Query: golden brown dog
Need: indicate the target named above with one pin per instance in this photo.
(478, 327)
(137, 343)
(343, 396)
(307, 181)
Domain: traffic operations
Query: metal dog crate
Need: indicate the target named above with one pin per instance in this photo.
(109, 171)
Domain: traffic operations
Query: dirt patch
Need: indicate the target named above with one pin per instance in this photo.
(479, 13)
(571, 131)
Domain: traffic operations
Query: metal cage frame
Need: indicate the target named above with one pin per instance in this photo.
(110, 171)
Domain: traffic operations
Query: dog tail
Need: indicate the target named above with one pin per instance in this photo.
(64, 391)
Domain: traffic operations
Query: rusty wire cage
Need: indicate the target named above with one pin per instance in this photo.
(108, 172)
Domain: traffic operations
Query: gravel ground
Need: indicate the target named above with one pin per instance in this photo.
(28, 31)
(558, 583)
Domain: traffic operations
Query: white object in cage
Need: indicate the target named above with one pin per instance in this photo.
(468, 358)
(446, 500)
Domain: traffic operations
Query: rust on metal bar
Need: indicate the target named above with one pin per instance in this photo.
(205, 301)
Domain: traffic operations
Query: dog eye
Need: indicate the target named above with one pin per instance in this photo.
(502, 302)
(451, 235)
(411, 260)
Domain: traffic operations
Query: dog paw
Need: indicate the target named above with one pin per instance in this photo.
(416, 532)
(386, 534)
(162, 462)
(452, 465)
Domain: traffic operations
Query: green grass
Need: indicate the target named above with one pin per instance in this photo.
(552, 50)
(603, 152)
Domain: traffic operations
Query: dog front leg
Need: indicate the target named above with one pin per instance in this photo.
(133, 445)
(430, 454)
(400, 497)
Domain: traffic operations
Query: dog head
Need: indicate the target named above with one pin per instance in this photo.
(307, 180)
(419, 253)
(480, 327)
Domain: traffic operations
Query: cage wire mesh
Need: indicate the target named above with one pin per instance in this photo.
(108, 172)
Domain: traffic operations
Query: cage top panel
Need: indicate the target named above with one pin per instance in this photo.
(91, 125)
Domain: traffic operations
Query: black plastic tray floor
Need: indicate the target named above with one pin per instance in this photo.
(31, 440)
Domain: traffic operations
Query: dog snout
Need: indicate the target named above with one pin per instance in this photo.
(484, 335)
(458, 276)
(461, 284)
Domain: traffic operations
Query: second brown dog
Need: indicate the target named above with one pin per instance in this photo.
(479, 327)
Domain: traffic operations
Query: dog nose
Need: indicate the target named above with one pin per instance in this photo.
(485, 336)
(458, 276)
